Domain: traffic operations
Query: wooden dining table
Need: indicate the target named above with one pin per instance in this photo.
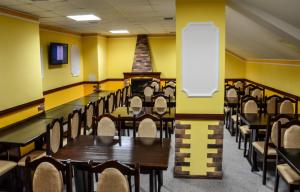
(150, 153)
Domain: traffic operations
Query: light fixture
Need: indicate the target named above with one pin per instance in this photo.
(84, 17)
(122, 31)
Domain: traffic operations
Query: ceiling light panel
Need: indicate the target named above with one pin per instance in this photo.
(84, 17)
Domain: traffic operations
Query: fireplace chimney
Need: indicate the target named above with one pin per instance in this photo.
(142, 57)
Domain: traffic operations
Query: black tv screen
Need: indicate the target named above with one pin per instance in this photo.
(58, 53)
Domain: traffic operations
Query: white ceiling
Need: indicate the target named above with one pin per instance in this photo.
(138, 16)
(256, 29)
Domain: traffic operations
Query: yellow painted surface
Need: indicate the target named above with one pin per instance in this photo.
(90, 58)
(112, 85)
(163, 55)
(234, 67)
(200, 11)
(282, 77)
(120, 56)
(20, 70)
(198, 148)
(102, 58)
(59, 75)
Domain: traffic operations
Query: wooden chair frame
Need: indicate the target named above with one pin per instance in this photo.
(107, 103)
(102, 99)
(150, 116)
(49, 128)
(85, 116)
(267, 99)
(116, 120)
(70, 117)
(65, 168)
(294, 101)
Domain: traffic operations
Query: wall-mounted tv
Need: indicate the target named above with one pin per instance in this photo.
(58, 53)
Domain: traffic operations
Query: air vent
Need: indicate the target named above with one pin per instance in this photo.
(168, 18)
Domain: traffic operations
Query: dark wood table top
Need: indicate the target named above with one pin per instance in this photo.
(61, 111)
(25, 132)
(150, 153)
(83, 101)
(291, 157)
(255, 120)
(126, 113)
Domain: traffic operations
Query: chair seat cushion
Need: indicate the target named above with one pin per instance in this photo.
(33, 156)
(6, 166)
(260, 147)
(65, 141)
(288, 174)
(234, 118)
(245, 129)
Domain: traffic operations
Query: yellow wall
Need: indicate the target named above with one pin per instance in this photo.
(282, 77)
(121, 54)
(102, 58)
(163, 55)
(234, 66)
(90, 57)
(59, 75)
(20, 70)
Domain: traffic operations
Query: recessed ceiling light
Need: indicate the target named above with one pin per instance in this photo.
(84, 17)
(123, 31)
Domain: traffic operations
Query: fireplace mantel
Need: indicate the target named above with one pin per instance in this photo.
(129, 75)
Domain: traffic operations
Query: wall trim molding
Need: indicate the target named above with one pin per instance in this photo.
(266, 87)
(58, 30)
(18, 14)
(22, 106)
(187, 116)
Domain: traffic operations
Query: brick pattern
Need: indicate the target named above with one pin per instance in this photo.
(216, 136)
(142, 56)
(180, 134)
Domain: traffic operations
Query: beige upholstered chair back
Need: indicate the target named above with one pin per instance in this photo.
(111, 103)
(271, 105)
(106, 127)
(136, 104)
(155, 85)
(100, 107)
(112, 180)
(147, 128)
(286, 107)
(128, 91)
(47, 178)
(247, 90)
(231, 93)
(118, 96)
(160, 105)
(89, 116)
(169, 92)
(148, 91)
(55, 137)
(238, 85)
(257, 93)
(250, 107)
(74, 125)
(274, 131)
(171, 83)
(291, 137)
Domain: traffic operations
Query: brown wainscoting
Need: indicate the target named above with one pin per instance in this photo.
(168, 79)
(63, 87)
(233, 79)
(267, 87)
(184, 116)
(22, 106)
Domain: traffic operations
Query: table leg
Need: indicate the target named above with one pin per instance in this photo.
(151, 183)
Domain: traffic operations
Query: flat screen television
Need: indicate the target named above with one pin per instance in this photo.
(58, 53)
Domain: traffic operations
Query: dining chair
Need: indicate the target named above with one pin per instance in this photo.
(156, 86)
(169, 91)
(267, 148)
(248, 105)
(106, 125)
(289, 139)
(100, 105)
(270, 104)
(54, 136)
(148, 92)
(74, 125)
(230, 115)
(8, 170)
(89, 112)
(47, 174)
(239, 85)
(113, 177)
(110, 103)
(247, 88)
(118, 98)
(170, 83)
(136, 104)
(257, 93)
(287, 106)
(123, 96)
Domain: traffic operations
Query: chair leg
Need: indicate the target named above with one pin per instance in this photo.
(292, 188)
(264, 177)
(276, 181)
(237, 132)
(245, 145)
(239, 140)
(254, 163)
